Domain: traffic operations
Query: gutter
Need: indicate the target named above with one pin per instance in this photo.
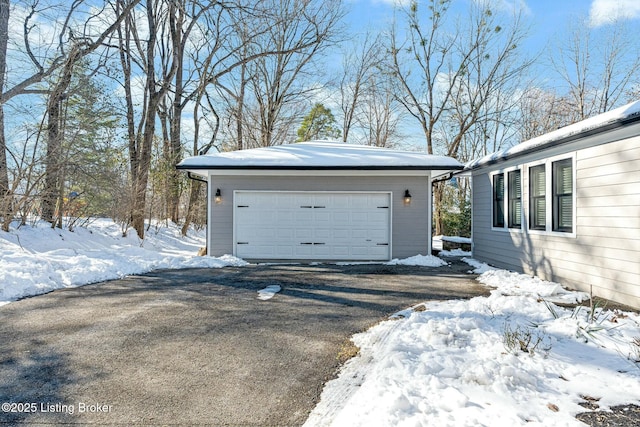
(445, 177)
(631, 119)
(195, 177)
(272, 167)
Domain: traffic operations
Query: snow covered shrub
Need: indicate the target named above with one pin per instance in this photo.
(524, 339)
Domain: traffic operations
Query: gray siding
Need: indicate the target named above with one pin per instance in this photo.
(411, 231)
(605, 251)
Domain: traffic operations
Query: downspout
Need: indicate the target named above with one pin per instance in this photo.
(430, 216)
(443, 178)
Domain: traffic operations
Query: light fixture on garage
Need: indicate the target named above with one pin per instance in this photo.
(407, 197)
(218, 196)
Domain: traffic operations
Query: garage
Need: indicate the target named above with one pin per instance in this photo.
(312, 225)
(319, 201)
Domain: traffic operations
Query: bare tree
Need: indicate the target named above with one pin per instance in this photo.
(143, 53)
(543, 111)
(301, 30)
(5, 193)
(359, 63)
(74, 42)
(599, 67)
(379, 114)
(451, 71)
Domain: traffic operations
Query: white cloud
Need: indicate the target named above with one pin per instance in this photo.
(605, 12)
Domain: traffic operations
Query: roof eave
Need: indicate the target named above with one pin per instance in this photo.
(559, 141)
(328, 168)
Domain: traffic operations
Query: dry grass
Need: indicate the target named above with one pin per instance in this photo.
(347, 351)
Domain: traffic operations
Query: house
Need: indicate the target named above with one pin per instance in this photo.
(566, 206)
(319, 201)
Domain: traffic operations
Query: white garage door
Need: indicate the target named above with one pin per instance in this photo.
(312, 225)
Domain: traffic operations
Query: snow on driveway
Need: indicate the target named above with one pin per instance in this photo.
(459, 363)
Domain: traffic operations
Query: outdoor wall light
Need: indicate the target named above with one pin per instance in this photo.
(407, 197)
(218, 196)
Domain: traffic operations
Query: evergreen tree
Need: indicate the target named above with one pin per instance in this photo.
(92, 176)
(318, 124)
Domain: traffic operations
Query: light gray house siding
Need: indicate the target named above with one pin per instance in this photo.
(410, 224)
(603, 251)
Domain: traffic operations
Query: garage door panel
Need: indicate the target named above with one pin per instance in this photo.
(303, 251)
(285, 234)
(298, 225)
(303, 234)
(303, 216)
(284, 216)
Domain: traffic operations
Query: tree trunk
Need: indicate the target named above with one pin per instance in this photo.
(175, 147)
(240, 106)
(52, 197)
(6, 198)
(5, 192)
(194, 198)
(145, 144)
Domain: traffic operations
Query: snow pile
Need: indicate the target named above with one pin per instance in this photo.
(419, 260)
(438, 245)
(35, 260)
(510, 283)
(460, 363)
(455, 252)
(454, 239)
(268, 292)
(478, 267)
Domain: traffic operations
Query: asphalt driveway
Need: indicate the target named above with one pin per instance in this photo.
(197, 347)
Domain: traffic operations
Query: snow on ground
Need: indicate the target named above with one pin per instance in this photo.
(460, 363)
(437, 243)
(449, 363)
(268, 292)
(39, 259)
(455, 252)
(478, 267)
(419, 260)
(454, 239)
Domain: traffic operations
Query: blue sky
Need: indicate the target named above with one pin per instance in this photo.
(550, 22)
(548, 18)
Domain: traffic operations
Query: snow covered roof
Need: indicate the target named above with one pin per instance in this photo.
(320, 155)
(600, 123)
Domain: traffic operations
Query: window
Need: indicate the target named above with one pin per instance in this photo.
(498, 200)
(515, 199)
(537, 198)
(562, 202)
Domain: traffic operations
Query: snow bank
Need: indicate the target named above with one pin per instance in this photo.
(455, 252)
(478, 267)
(419, 260)
(35, 260)
(449, 365)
